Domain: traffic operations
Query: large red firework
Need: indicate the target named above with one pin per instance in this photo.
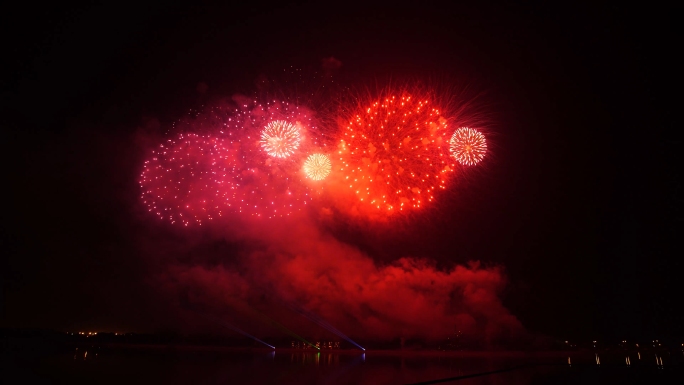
(394, 153)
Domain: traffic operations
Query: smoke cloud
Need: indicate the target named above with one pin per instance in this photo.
(286, 267)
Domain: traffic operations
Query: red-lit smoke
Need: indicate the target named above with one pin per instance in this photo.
(297, 264)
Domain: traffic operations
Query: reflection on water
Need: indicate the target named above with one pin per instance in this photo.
(176, 365)
(82, 353)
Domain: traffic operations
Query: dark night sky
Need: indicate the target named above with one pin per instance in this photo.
(581, 204)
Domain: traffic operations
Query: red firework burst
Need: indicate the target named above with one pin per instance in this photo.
(393, 154)
(189, 180)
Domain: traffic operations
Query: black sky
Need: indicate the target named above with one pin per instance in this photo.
(581, 204)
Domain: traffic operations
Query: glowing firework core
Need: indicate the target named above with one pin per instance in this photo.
(280, 139)
(317, 166)
(468, 146)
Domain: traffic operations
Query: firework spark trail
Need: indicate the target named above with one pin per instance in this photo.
(393, 154)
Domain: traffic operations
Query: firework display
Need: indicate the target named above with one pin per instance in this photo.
(393, 153)
(388, 155)
(467, 146)
(317, 166)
